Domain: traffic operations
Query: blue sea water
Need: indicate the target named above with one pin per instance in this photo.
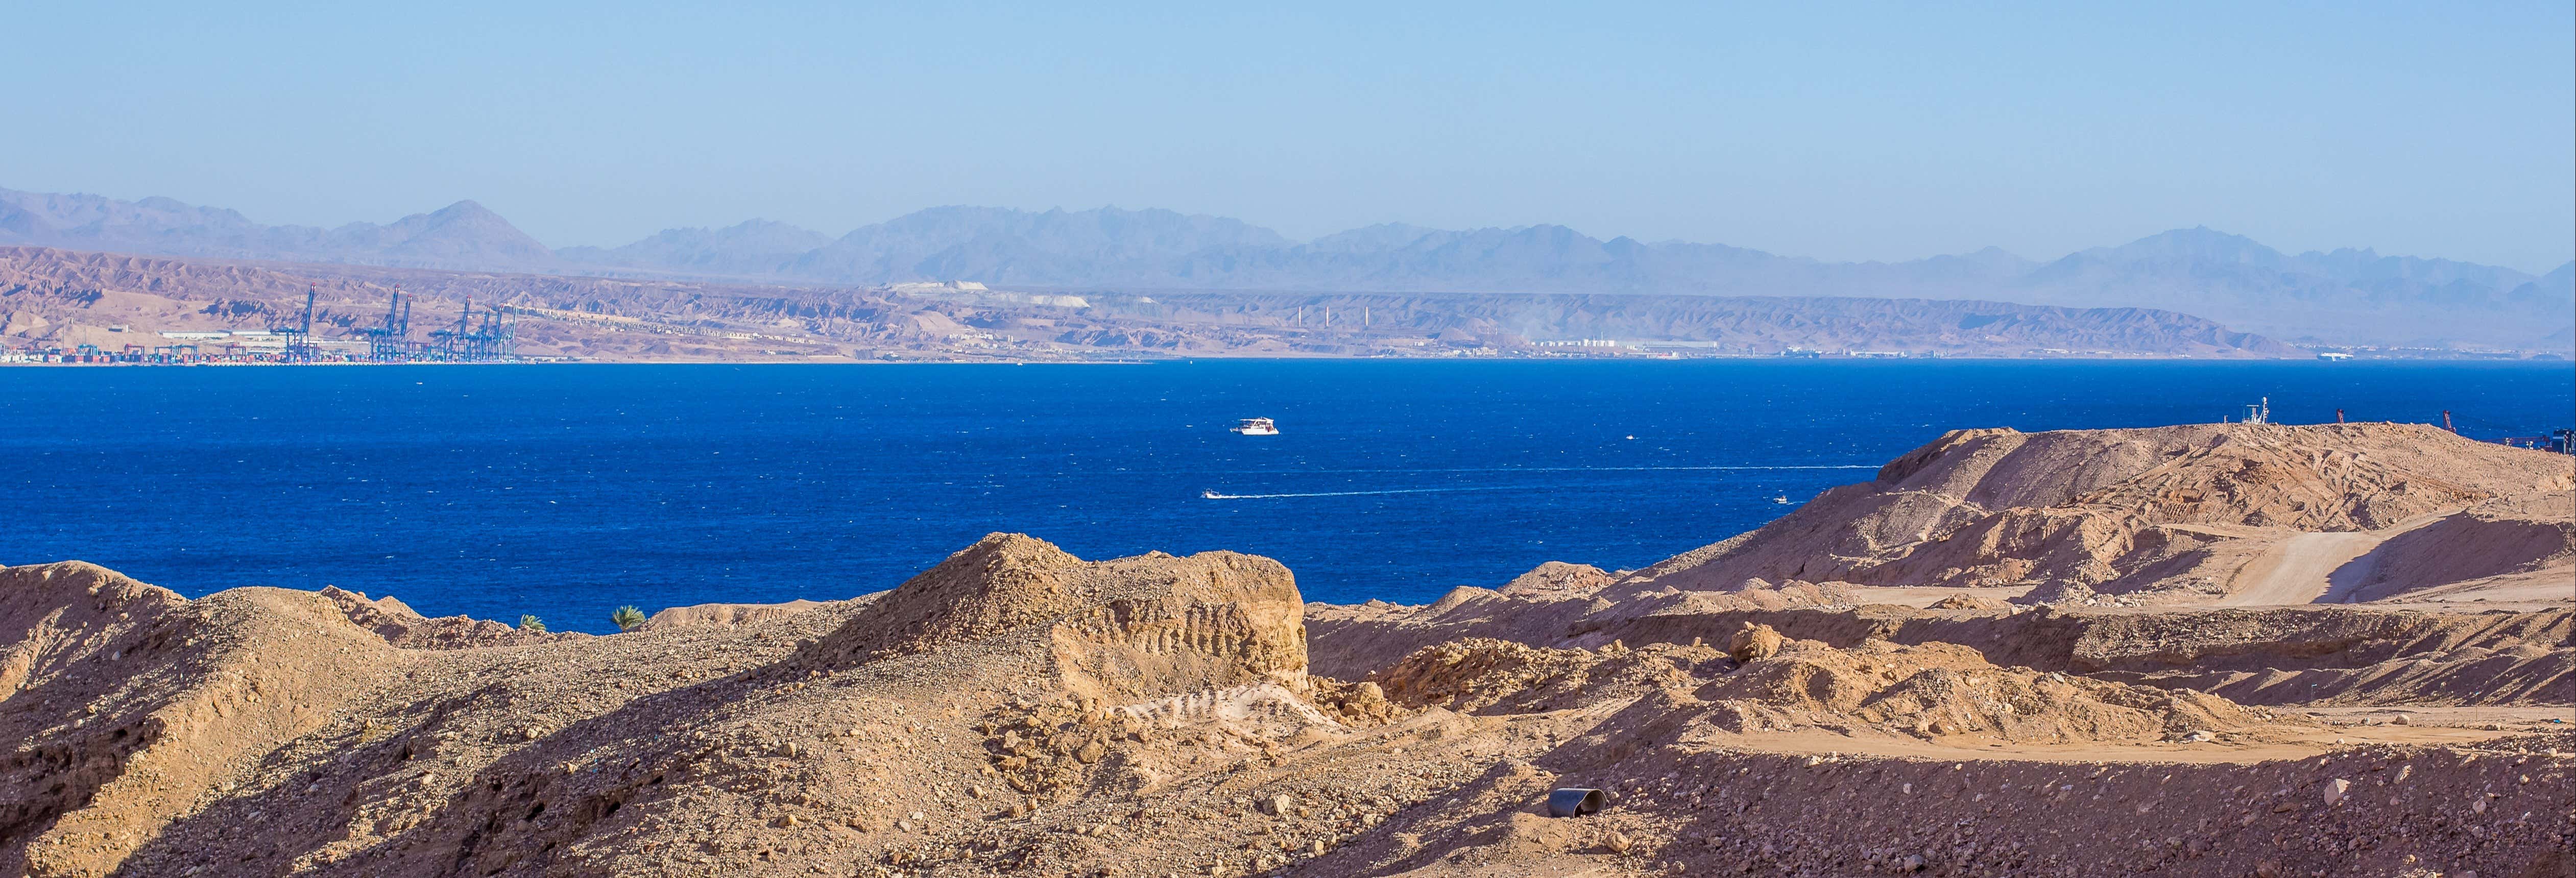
(568, 490)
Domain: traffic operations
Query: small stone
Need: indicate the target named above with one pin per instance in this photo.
(2335, 790)
(1278, 805)
(1619, 843)
(2399, 720)
(1913, 862)
(1315, 848)
(2200, 736)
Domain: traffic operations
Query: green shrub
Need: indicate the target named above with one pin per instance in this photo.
(627, 617)
(532, 624)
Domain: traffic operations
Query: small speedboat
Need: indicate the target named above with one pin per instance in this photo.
(1782, 499)
(1211, 494)
(1257, 427)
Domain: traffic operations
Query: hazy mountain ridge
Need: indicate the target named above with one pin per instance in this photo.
(2345, 296)
(753, 247)
(460, 235)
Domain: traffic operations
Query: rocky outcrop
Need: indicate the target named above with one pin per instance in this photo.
(1123, 630)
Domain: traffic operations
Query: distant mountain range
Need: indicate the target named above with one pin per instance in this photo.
(2342, 297)
(62, 299)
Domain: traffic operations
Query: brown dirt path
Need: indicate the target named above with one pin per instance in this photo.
(2296, 570)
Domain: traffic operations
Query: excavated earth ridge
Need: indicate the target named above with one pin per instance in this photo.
(1017, 710)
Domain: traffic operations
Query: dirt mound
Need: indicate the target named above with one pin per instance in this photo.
(1123, 630)
(2490, 540)
(723, 615)
(1365, 637)
(1943, 689)
(1750, 642)
(129, 704)
(2109, 510)
(1557, 579)
(1926, 691)
(1004, 582)
(2340, 654)
(1969, 602)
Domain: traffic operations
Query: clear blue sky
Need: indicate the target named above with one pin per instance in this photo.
(1859, 132)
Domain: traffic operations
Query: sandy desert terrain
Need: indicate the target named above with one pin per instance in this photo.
(2237, 649)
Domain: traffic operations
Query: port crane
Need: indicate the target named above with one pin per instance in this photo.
(299, 338)
(470, 342)
(389, 341)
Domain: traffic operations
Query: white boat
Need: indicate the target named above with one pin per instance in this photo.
(1782, 499)
(1211, 494)
(1257, 427)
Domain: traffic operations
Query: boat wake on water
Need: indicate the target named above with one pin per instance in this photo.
(1212, 495)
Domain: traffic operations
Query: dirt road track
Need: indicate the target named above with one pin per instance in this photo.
(2295, 570)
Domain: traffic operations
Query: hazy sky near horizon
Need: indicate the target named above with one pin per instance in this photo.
(1876, 131)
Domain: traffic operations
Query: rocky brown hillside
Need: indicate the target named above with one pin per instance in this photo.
(1016, 710)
